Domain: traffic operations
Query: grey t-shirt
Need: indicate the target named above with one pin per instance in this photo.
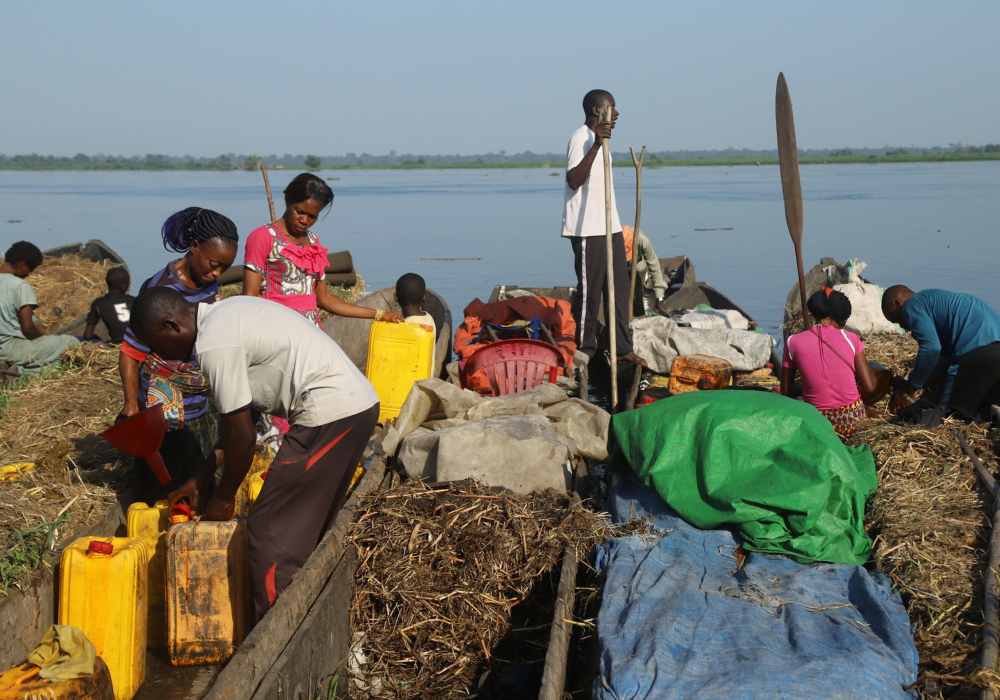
(15, 294)
(257, 353)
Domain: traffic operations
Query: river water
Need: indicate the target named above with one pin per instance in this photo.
(924, 225)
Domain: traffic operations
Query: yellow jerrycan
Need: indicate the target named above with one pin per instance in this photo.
(398, 355)
(149, 524)
(255, 485)
(102, 591)
(208, 589)
(23, 683)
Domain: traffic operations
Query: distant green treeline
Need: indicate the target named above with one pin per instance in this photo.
(155, 162)
(84, 162)
(673, 162)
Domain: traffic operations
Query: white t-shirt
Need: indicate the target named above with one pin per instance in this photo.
(425, 319)
(583, 209)
(257, 353)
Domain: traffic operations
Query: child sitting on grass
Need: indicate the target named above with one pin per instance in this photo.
(411, 292)
(113, 308)
(22, 344)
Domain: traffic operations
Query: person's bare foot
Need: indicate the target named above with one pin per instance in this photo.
(632, 357)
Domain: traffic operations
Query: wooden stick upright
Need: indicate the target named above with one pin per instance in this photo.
(991, 608)
(607, 115)
(267, 186)
(635, 231)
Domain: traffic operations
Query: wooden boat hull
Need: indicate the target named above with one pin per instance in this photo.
(99, 252)
(816, 277)
(340, 270)
(303, 642)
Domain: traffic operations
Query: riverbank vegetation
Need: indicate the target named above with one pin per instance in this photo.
(250, 163)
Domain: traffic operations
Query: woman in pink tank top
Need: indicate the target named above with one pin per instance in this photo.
(831, 362)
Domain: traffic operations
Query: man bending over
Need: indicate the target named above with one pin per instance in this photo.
(959, 328)
(260, 357)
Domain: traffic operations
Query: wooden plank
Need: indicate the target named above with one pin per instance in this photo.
(259, 651)
(554, 676)
(557, 655)
(991, 611)
(320, 647)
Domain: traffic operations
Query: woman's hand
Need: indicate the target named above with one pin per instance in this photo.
(390, 317)
(128, 410)
(188, 491)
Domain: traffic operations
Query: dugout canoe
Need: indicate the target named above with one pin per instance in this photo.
(339, 270)
(827, 272)
(99, 252)
(301, 644)
(351, 334)
(300, 648)
(688, 297)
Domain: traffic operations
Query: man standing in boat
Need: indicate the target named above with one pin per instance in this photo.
(585, 226)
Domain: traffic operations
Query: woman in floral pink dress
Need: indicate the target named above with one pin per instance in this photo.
(285, 262)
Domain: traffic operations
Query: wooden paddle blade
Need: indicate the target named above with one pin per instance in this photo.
(788, 157)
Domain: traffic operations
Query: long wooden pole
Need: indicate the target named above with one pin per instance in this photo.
(267, 186)
(635, 231)
(991, 612)
(607, 116)
(791, 187)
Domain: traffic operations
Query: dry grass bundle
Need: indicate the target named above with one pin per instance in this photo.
(65, 287)
(52, 421)
(896, 352)
(930, 521)
(439, 570)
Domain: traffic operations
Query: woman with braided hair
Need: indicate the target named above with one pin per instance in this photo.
(209, 243)
(831, 362)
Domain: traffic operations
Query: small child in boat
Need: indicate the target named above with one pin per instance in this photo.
(113, 308)
(22, 344)
(411, 293)
(831, 362)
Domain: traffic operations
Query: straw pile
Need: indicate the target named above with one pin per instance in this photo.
(52, 421)
(439, 570)
(65, 287)
(930, 522)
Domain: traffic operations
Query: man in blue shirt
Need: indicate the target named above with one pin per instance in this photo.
(958, 328)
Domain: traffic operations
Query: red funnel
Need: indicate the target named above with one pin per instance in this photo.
(141, 436)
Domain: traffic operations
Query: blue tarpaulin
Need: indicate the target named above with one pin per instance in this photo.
(679, 619)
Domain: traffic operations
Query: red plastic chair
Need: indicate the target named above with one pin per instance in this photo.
(512, 365)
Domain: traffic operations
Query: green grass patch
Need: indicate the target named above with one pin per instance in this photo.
(17, 564)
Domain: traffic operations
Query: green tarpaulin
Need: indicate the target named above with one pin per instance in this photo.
(770, 466)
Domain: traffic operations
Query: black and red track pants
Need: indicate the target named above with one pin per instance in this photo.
(304, 491)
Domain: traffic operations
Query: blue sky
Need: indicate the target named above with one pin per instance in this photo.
(204, 78)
